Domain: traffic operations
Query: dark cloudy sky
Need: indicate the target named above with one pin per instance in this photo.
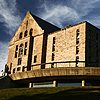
(57, 12)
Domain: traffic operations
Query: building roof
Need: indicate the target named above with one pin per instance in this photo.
(46, 26)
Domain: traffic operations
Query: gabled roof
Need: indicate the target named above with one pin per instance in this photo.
(46, 26)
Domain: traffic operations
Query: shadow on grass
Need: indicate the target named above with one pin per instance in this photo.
(71, 94)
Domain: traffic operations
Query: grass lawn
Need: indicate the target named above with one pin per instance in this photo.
(50, 93)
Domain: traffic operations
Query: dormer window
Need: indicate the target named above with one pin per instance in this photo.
(20, 36)
(31, 31)
(25, 34)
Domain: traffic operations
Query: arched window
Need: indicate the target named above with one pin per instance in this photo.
(20, 36)
(21, 45)
(31, 31)
(25, 34)
(20, 50)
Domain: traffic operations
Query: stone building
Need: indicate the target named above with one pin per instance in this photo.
(38, 44)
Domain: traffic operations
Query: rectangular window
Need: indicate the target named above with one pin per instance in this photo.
(77, 36)
(53, 56)
(18, 69)
(77, 49)
(77, 61)
(53, 49)
(53, 40)
(25, 51)
(19, 61)
(23, 69)
(20, 36)
(16, 51)
(35, 59)
(77, 41)
(14, 70)
(52, 65)
(20, 52)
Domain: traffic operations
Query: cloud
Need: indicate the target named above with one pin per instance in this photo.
(3, 55)
(75, 11)
(59, 13)
(84, 7)
(9, 15)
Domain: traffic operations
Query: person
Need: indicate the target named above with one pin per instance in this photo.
(2, 72)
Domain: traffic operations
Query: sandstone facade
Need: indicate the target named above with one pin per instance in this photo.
(37, 42)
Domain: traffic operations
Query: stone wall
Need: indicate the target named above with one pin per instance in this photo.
(37, 34)
(65, 46)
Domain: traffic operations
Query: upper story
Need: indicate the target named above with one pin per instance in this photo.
(78, 43)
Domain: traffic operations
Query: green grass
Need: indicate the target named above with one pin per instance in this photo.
(50, 93)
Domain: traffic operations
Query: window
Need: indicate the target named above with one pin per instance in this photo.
(77, 37)
(10, 66)
(77, 49)
(77, 61)
(23, 69)
(16, 51)
(18, 69)
(20, 50)
(52, 65)
(53, 40)
(25, 34)
(20, 36)
(27, 23)
(19, 61)
(35, 59)
(53, 49)
(14, 70)
(53, 56)
(31, 31)
(25, 51)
